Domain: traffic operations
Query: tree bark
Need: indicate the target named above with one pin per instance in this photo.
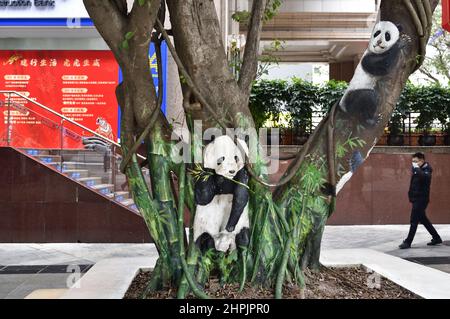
(287, 224)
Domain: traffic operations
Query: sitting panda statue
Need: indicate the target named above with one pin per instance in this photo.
(221, 195)
(362, 99)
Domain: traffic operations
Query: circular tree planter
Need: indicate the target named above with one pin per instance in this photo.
(447, 140)
(396, 140)
(427, 140)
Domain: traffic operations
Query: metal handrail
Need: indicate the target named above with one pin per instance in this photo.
(66, 119)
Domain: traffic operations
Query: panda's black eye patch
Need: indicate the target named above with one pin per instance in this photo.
(236, 158)
(377, 33)
(388, 36)
(220, 160)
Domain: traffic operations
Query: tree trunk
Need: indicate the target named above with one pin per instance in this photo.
(287, 221)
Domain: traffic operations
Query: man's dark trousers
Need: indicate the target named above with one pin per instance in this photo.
(418, 215)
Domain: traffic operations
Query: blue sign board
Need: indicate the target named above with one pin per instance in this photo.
(154, 71)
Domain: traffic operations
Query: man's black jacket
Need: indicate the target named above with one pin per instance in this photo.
(419, 189)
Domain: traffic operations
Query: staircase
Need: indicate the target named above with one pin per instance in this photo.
(61, 180)
(88, 168)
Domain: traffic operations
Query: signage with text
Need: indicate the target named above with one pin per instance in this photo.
(78, 84)
(42, 9)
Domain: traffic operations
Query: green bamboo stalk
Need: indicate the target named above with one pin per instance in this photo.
(141, 195)
(181, 195)
(193, 252)
(155, 282)
(282, 270)
(161, 188)
(244, 269)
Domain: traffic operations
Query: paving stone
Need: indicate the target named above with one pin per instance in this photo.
(46, 294)
(13, 270)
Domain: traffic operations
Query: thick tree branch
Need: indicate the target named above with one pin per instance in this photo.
(250, 63)
(388, 90)
(197, 38)
(122, 6)
(109, 21)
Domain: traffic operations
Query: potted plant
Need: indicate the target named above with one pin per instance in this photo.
(446, 132)
(425, 124)
(427, 138)
(444, 119)
(395, 137)
(267, 100)
(303, 96)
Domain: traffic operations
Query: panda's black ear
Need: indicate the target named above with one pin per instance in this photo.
(400, 27)
(211, 139)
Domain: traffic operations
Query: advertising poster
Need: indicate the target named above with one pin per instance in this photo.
(77, 84)
(446, 14)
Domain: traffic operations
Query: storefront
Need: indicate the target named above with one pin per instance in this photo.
(51, 52)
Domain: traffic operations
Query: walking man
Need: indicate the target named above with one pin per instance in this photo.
(419, 196)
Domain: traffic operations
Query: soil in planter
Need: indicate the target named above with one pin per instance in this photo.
(329, 283)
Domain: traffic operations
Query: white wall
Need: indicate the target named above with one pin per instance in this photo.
(320, 5)
(314, 72)
(285, 71)
(328, 6)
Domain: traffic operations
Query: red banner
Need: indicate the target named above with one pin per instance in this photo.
(78, 84)
(446, 14)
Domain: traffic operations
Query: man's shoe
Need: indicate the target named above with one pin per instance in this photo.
(404, 245)
(435, 242)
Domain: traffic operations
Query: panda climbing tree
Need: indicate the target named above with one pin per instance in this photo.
(243, 228)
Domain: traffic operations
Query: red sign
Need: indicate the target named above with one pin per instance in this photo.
(77, 84)
(446, 14)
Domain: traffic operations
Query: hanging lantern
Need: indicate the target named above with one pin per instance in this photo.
(446, 14)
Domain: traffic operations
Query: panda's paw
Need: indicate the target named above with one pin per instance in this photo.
(230, 228)
(224, 241)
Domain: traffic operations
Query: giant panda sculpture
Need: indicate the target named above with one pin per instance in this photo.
(221, 220)
(362, 99)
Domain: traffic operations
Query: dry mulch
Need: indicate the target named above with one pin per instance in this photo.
(329, 283)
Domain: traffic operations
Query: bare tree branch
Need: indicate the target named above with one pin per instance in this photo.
(428, 74)
(250, 63)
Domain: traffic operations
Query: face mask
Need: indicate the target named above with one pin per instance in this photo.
(415, 165)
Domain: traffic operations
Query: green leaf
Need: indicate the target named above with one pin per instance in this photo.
(129, 35)
(125, 45)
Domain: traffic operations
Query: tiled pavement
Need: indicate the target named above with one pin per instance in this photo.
(387, 238)
(17, 282)
(25, 268)
(46, 265)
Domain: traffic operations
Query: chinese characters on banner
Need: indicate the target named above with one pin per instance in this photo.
(78, 84)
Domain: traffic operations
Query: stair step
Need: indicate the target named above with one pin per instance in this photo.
(84, 157)
(80, 165)
(48, 158)
(90, 181)
(76, 173)
(119, 196)
(105, 189)
(34, 152)
(127, 202)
